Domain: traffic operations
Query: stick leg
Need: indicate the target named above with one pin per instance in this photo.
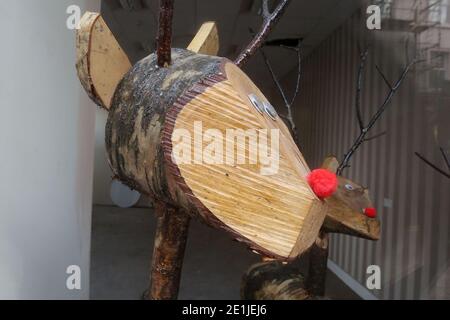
(318, 265)
(168, 252)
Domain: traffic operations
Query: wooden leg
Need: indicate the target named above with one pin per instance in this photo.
(318, 265)
(168, 252)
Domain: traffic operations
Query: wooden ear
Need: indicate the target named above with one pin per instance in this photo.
(206, 41)
(101, 62)
(330, 163)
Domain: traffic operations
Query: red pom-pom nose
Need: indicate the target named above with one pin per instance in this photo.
(370, 212)
(323, 182)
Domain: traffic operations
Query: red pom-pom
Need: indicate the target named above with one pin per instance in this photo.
(323, 182)
(370, 212)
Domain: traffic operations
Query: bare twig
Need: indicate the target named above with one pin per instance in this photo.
(376, 136)
(446, 159)
(433, 165)
(364, 129)
(386, 81)
(269, 21)
(289, 117)
(363, 58)
(164, 37)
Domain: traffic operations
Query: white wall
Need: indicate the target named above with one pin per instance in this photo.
(47, 151)
(102, 172)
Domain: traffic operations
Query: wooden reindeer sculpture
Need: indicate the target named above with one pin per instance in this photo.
(161, 112)
(351, 212)
(277, 215)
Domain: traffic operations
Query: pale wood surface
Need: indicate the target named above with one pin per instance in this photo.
(101, 62)
(278, 212)
(206, 41)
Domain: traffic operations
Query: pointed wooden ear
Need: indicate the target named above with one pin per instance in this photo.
(330, 163)
(206, 41)
(101, 62)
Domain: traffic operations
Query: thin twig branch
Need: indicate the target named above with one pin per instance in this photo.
(446, 159)
(376, 136)
(288, 104)
(433, 165)
(299, 74)
(365, 129)
(386, 81)
(164, 37)
(269, 21)
(363, 57)
(274, 77)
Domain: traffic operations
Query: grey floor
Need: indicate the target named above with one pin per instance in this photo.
(122, 241)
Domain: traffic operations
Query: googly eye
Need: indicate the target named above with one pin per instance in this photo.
(270, 111)
(348, 186)
(256, 103)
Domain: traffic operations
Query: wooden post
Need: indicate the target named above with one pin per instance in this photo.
(168, 252)
(318, 259)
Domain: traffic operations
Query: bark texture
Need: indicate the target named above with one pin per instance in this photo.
(164, 36)
(274, 280)
(138, 114)
(168, 252)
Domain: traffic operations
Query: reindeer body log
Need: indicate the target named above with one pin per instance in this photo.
(153, 109)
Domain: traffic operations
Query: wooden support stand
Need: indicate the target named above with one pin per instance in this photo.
(168, 252)
(318, 259)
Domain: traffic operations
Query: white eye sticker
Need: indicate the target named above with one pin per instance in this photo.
(270, 110)
(348, 186)
(256, 103)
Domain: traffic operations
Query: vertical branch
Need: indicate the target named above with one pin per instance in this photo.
(363, 58)
(164, 37)
(269, 21)
(168, 252)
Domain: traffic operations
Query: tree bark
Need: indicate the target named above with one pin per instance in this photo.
(164, 36)
(138, 114)
(274, 280)
(168, 252)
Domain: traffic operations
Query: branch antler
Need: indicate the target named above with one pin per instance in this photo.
(269, 21)
(288, 103)
(364, 129)
(164, 37)
(435, 167)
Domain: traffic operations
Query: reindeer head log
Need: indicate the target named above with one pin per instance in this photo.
(348, 208)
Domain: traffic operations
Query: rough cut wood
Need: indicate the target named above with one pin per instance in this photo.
(101, 62)
(206, 40)
(277, 215)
